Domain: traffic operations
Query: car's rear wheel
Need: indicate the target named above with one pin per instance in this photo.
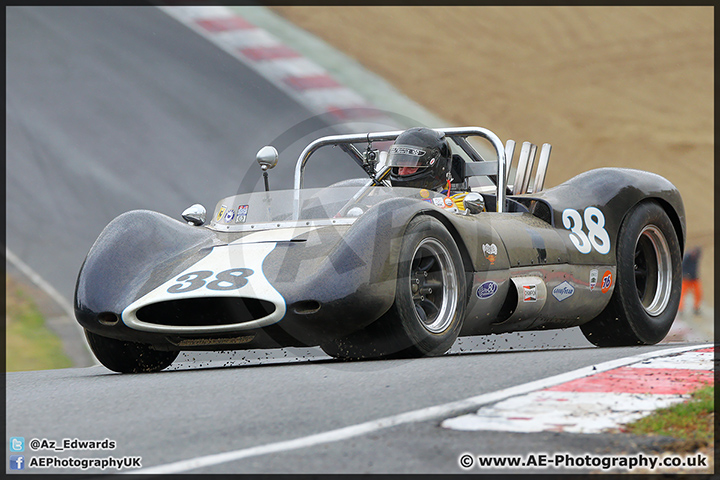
(648, 285)
(429, 306)
(128, 357)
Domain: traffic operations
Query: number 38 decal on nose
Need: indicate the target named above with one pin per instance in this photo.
(226, 280)
(597, 237)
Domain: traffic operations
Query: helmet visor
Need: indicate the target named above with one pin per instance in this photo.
(410, 156)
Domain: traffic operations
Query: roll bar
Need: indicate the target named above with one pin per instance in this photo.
(458, 134)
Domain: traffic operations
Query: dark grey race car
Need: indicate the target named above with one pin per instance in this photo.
(366, 270)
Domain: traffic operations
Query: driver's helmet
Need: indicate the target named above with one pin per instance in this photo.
(420, 158)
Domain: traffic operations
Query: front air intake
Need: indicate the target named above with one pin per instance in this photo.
(196, 312)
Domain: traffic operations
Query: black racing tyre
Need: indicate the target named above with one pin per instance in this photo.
(430, 300)
(648, 284)
(128, 357)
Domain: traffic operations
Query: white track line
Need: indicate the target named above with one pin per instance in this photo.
(421, 415)
(51, 292)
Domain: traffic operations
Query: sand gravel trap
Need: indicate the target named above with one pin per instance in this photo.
(606, 86)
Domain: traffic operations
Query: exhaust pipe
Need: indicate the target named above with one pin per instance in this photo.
(524, 168)
(542, 167)
(509, 151)
(528, 169)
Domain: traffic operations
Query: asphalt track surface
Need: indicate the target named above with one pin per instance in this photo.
(114, 109)
(178, 415)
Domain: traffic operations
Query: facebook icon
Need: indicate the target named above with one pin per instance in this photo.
(17, 462)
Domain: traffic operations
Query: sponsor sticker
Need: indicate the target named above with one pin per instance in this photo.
(563, 291)
(606, 282)
(229, 215)
(487, 289)
(448, 202)
(242, 212)
(593, 278)
(425, 193)
(529, 293)
(438, 202)
(221, 213)
(490, 252)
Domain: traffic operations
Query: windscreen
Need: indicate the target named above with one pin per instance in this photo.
(315, 204)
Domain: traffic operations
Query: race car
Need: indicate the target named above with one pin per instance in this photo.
(367, 269)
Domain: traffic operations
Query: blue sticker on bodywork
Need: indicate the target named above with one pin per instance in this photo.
(487, 289)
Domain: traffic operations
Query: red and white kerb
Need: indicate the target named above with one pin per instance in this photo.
(598, 402)
(285, 67)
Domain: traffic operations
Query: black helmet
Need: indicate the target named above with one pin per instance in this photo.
(423, 157)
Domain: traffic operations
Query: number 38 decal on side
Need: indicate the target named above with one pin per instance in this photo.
(226, 280)
(597, 237)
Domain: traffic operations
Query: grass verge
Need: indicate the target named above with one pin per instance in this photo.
(30, 345)
(691, 420)
(692, 423)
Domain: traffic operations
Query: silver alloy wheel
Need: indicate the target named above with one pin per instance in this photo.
(653, 270)
(433, 283)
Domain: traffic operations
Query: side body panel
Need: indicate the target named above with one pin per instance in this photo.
(527, 247)
(568, 241)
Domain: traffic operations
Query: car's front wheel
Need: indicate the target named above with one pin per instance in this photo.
(648, 285)
(429, 306)
(128, 357)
